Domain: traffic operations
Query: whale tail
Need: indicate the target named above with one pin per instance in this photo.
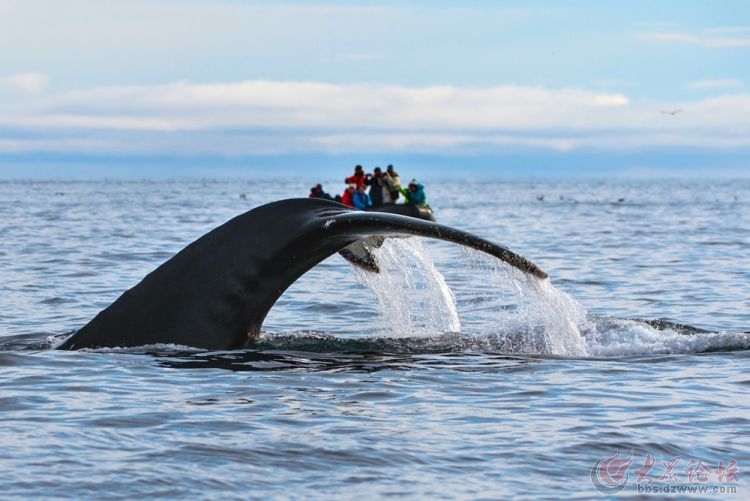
(216, 292)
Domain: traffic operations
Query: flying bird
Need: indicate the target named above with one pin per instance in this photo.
(671, 112)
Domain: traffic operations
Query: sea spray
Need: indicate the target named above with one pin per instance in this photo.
(530, 316)
(502, 310)
(412, 294)
(548, 321)
(618, 337)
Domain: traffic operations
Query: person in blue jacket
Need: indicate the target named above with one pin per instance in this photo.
(361, 199)
(414, 194)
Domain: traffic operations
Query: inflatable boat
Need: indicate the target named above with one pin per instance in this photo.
(418, 211)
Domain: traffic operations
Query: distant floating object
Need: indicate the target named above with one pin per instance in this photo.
(671, 112)
(540, 198)
(243, 196)
(620, 200)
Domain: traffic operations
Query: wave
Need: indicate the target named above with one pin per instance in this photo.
(620, 339)
(419, 316)
(613, 338)
(603, 337)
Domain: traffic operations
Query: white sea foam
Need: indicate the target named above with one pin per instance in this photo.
(166, 348)
(624, 337)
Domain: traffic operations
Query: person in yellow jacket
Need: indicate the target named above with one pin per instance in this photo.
(392, 185)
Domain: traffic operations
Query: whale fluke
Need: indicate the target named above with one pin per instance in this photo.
(216, 292)
(360, 253)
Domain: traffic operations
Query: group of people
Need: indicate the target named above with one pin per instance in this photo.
(384, 188)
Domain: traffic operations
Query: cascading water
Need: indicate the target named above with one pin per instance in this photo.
(528, 315)
(510, 312)
(412, 294)
(415, 301)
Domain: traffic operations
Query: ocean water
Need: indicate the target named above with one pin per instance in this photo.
(447, 376)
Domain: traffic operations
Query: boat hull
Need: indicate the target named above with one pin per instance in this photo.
(418, 211)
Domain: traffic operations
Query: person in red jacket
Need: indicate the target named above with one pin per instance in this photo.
(348, 197)
(359, 177)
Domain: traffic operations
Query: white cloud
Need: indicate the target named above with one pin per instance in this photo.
(30, 83)
(266, 117)
(295, 105)
(743, 30)
(56, 145)
(710, 42)
(723, 83)
(611, 100)
(368, 142)
(360, 57)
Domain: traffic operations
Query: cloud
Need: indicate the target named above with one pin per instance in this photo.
(743, 30)
(29, 83)
(708, 41)
(725, 83)
(360, 57)
(295, 105)
(611, 100)
(272, 117)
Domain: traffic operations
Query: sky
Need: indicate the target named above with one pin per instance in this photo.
(536, 88)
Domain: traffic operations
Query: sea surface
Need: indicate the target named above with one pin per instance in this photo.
(447, 376)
